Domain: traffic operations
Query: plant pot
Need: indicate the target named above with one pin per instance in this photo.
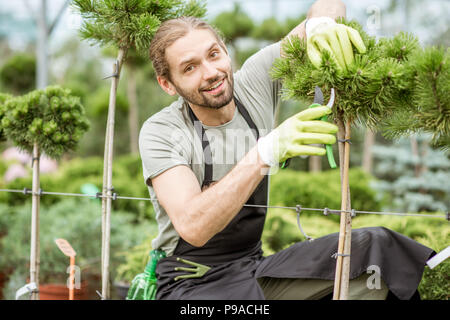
(121, 289)
(3, 279)
(60, 291)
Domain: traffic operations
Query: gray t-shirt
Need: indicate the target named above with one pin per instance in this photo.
(168, 138)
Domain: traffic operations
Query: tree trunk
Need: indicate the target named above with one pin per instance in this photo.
(133, 118)
(315, 164)
(415, 152)
(107, 174)
(344, 246)
(369, 141)
(34, 255)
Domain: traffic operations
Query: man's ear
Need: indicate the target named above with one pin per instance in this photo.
(166, 85)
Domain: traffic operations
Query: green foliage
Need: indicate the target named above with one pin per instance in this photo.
(321, 190)
(133, 59)
(76, 220)
(242, 55)
(52, 118)
(368, 91)
(234, 24)
(436, 282)
(270, 29)
(412, 182)
(135, 259)
(73, 174)
(281, 229)
(130, 23)
(428, 108)
(3, 98)
(395, 85)
(97, 103)
(18, 74)
(273, 30)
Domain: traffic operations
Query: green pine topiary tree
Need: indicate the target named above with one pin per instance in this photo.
(52, 119)
(124, 24)
(48, 120)
(3, 98)
(428, 107)
(376, 83)
(378, 87)
(130, 23)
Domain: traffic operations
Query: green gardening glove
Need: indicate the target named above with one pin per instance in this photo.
(324, 33)
(293, 136)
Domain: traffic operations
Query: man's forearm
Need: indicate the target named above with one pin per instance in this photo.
(210, 212)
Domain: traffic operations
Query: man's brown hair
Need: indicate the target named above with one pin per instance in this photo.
(169, 32)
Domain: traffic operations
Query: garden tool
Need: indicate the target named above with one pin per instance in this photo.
(318, 101)
(67, 249)
(143, 286)
(196, 272)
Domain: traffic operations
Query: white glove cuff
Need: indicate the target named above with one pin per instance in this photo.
(313, 23)
(266, 149)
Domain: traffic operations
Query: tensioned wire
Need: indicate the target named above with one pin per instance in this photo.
(298, 208)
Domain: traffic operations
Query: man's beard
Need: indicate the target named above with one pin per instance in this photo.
(202, 99)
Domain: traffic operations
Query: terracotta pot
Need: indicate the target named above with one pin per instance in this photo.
(59, 291)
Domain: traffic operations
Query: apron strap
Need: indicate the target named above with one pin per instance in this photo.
(204, 139)
(205, 144)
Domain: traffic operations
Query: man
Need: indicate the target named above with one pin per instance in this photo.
(206, 160)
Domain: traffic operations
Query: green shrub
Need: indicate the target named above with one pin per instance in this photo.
(79, 222)
(281, 229)
(321, 190)
(73, 174)
(435, 284)
(135, 260)
(18, 74)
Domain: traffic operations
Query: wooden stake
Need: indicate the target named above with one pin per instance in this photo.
(34, 255)
(67, 249)
(72, 277)
(107, 174)
(343, 262)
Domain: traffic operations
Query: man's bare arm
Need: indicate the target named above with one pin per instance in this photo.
(198, 216)
(320, 8)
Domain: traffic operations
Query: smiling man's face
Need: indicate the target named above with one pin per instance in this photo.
(200, 70)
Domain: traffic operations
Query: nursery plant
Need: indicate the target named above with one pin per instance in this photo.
(375, 86)
(50, 121)
(3, 98)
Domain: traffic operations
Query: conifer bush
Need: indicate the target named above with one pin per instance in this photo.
(51, 117)
(396, 85)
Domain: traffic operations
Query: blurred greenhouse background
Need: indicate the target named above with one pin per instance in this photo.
(405, 175)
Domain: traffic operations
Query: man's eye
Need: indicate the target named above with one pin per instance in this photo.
(189, 68)
(214, 54)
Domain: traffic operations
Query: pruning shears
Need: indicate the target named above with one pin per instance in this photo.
(318, 101)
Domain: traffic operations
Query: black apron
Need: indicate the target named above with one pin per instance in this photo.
(236, 258)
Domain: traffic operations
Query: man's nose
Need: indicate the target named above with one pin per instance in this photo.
(209, 71)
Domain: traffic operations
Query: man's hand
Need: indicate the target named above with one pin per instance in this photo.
(291, 138)
(323, 33)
